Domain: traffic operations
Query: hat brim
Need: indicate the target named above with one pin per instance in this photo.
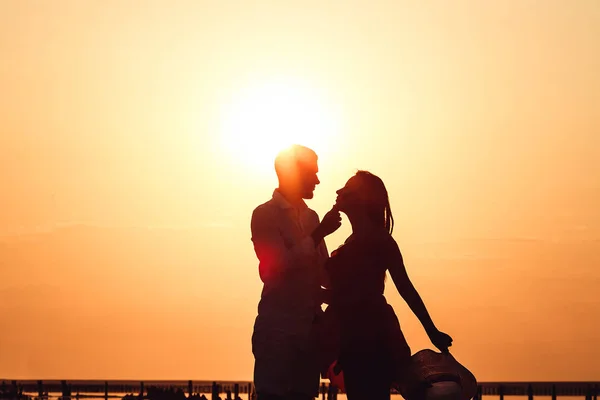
(431, 367)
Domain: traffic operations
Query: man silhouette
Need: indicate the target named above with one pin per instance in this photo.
(288, 241)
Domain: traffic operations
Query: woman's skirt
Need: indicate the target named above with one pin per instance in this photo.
(348, 333)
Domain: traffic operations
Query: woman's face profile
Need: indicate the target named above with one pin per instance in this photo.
(350, 196)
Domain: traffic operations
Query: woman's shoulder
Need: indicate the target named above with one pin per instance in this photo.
(387, 246)
(383, 237)
(379, 241)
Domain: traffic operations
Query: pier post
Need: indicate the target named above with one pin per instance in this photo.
(190, 388)
(553, 392)
(332, 392)
(215, 391)
(595, 392)
(142, 389)
(66, 390)
(236, 391)
(501, 392)
(529, 392)
(40, 389)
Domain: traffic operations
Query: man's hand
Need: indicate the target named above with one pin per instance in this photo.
(330, 223)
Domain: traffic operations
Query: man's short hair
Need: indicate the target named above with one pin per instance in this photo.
(289, 159)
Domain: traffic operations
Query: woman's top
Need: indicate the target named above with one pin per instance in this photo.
(358, 319)
(357, 272)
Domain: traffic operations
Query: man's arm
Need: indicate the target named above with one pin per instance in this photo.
(273, 255)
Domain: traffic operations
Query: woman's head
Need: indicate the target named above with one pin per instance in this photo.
(365, 194)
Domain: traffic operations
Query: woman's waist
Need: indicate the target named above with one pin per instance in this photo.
(357, 300)
(374, 311)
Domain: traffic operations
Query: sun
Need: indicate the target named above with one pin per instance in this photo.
(264, 118)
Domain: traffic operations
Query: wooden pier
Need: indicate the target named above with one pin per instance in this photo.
(67, 389)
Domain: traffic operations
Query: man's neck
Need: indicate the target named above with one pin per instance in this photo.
(291, 197)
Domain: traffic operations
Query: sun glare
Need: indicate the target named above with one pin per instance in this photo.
(263, 119)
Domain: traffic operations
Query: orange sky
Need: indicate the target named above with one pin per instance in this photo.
(481, 117)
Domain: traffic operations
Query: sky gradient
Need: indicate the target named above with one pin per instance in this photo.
(124, 214)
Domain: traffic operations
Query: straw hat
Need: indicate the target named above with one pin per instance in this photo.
(434, 375)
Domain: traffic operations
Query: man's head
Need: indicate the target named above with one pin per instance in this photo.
(297, 168)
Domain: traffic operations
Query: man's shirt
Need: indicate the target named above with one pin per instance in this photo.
(290, 265)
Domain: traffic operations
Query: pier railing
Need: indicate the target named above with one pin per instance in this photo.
(68, 389)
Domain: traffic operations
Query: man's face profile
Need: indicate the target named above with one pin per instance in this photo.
(307, 178)
(297, 169)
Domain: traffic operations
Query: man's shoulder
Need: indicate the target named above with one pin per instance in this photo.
(268, 208)
(271, 208)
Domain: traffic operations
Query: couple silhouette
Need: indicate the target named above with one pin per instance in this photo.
(356, 342)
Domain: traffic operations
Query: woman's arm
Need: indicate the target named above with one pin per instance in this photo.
(408, 292)
(406, 289)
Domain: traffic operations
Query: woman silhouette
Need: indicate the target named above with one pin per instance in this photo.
(365, 340)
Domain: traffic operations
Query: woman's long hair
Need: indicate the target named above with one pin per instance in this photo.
(378, 204)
